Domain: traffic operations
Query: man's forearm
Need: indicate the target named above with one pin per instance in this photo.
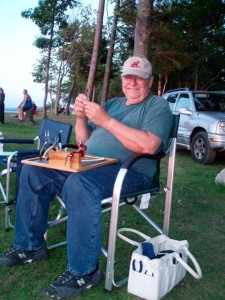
(82, 130)
(136, 140)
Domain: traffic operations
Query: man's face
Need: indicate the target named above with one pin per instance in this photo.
(135, 88)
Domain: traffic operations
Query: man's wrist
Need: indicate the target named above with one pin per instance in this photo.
(82, 119)
(109, 123)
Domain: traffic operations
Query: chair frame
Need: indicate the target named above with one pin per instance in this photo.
(41, 141)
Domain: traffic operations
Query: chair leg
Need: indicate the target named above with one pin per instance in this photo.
(109, 279)
(169, 189)
(8, 223)
(3, 194)
(58, 220)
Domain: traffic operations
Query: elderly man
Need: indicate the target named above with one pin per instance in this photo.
(136, 123)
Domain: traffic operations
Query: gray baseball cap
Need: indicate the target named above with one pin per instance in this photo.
(138, 66)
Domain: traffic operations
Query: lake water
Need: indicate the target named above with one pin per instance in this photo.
(12, 110)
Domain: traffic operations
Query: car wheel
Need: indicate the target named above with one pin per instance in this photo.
(201, 150)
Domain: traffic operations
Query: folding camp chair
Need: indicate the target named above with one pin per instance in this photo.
(117, 200)
(48, 132)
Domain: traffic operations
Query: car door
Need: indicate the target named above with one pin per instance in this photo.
(183, 105)
(171, 100)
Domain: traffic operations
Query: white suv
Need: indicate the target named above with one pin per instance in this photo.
(202, 122)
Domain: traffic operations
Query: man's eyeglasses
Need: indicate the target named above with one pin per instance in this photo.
(129, 78)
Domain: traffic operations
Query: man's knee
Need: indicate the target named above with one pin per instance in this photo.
(70, 183)
(72, 187)
(30, 174)
(27, 171)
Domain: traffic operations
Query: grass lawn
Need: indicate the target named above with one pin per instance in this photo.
(197, 216)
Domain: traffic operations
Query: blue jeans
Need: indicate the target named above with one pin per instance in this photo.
(82, 194)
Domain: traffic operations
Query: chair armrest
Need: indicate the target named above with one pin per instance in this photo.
(17, 141)
(128, 163)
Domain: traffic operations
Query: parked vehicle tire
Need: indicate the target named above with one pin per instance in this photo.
(201, 150)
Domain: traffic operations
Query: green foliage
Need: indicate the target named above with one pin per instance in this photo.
(48, 12)
(50, 17)
(193, 33)
(39, 70)
(186, 44)
(125, 29)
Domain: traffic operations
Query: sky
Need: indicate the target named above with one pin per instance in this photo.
(17, 52)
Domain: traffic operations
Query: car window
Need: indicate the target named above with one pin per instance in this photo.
(209, 102)
(172, 100)
(183, 102)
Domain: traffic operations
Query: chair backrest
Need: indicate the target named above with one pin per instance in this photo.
(173, 131)
(169, 144)
(174, 128)
(52, 129)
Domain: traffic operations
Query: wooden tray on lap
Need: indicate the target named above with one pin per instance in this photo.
(61, 161)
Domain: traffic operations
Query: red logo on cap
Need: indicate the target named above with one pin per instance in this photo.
(135, 64)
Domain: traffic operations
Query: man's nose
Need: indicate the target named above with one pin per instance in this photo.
(133, 80)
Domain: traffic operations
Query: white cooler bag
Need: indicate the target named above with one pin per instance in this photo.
(152, 279)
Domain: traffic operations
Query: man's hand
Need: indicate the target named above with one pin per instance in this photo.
(79, 108)
(96, 113)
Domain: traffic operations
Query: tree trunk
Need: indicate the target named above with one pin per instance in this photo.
(58, 95)
(110, 55)
(95, 53)
(142, 28)
(61, 75)
(72, 86)
(165, 83)
(196, 80)
(47, 70)
(160, 85)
